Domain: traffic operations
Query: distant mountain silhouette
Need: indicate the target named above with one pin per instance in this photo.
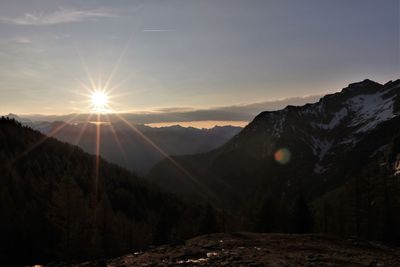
(338, 154)
(17, 118)
(121, 145)
(54, 208)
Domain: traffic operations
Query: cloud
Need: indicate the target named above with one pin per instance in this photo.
(62, 36)
(245, 112)
(255, 108)
(174, 109)
(62, 15)
(22, 40)
(158, 30)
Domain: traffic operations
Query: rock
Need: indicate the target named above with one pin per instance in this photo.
(211, 245)
(190, 252)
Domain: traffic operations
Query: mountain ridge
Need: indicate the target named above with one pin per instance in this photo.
(307, 150)
(122, 146)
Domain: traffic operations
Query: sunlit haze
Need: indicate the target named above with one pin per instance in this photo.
(199, 124)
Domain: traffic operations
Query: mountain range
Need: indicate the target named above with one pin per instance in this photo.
(121, 145)
(309, 152)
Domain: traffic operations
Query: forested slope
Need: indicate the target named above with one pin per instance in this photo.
(51, 210)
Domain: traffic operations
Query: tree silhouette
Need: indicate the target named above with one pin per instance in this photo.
(209, 222)
(303, 220)
(267, 216)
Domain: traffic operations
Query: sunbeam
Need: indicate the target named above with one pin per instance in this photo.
(117, 64)
(97, 165)
(86, 69)
(43, 139)
(83, 129)
(168, 157)
(114, 133)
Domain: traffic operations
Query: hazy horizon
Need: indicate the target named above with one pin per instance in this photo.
(236, 115)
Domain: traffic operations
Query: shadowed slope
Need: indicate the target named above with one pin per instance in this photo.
(326, 144)
(50, 209)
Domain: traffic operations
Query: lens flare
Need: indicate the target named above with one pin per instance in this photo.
(282, 156)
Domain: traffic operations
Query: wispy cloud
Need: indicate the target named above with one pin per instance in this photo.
(62, 36)
(174, 109)
(62, 15)
(22, 40)
(239, 113)
(158, 30)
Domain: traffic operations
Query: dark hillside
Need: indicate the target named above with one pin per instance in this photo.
(303, 153)
(51, 210)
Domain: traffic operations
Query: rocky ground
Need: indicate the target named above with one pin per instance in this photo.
(249, 249)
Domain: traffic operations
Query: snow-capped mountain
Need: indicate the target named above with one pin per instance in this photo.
(337, 122)
(323, 144)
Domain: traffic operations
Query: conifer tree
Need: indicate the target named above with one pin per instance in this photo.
(303, 220)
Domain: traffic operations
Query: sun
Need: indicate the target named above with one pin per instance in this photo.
(99, 101)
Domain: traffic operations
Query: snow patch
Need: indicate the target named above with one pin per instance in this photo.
(370, 110)
(320, 147)
(278, 123)
(379, 150)
(335, 121)
(310, 110)
(278, 126)
(397, 166)
(319, 169)
(348, 141)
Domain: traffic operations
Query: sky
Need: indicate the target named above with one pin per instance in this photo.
(186, 54)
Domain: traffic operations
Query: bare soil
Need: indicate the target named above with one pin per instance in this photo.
(252, 249)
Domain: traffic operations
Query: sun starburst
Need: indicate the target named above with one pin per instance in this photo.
(99, 100)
